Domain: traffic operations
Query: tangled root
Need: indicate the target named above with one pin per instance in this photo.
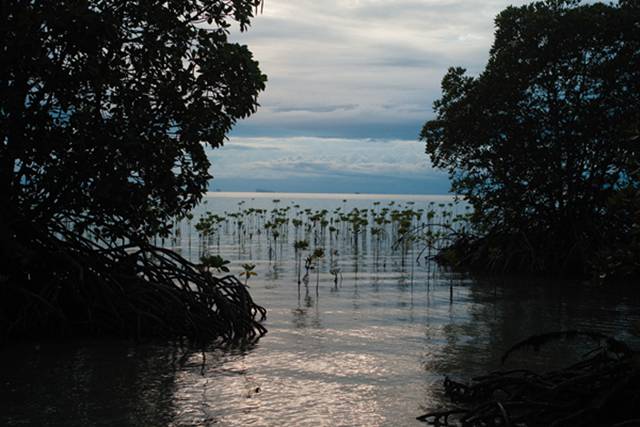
(54, 280)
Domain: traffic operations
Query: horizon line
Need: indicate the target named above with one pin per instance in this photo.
(287, 194)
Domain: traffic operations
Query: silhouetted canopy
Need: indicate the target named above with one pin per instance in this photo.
(543, 139)
(107, 106)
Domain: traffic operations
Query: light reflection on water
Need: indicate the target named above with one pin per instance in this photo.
(371, 350)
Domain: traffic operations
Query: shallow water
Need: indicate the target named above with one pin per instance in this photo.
(370, 350)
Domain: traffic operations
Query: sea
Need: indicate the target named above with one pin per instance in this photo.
(365, 340)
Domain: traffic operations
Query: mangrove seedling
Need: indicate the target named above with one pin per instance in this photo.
(248, 272)
(299, 246)
(215, 262)
(318, 253)
(311, 261)
(335, 272)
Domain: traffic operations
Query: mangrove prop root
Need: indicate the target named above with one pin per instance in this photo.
(601, 390)
(56, 280)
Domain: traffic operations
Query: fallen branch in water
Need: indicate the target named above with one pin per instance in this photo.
(600, 390)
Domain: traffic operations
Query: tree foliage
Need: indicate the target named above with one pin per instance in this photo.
(106, 109)
(106, 106)
(542, 140)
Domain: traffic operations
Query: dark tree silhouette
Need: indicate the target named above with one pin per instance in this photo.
(542, 141)
(106, 107)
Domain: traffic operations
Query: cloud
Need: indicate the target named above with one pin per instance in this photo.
(314, 109)
(246, 147)
(362, 68)
(325, 165)
(351, 83)
(299, 166)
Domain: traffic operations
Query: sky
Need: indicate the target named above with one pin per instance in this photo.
(350, 85)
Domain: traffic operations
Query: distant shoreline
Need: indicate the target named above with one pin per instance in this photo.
(329, 196)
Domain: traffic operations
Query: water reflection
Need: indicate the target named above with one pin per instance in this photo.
(494, 314)
(369, 350)
(110, 383)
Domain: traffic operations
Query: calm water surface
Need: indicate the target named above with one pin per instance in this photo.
(371, 350)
